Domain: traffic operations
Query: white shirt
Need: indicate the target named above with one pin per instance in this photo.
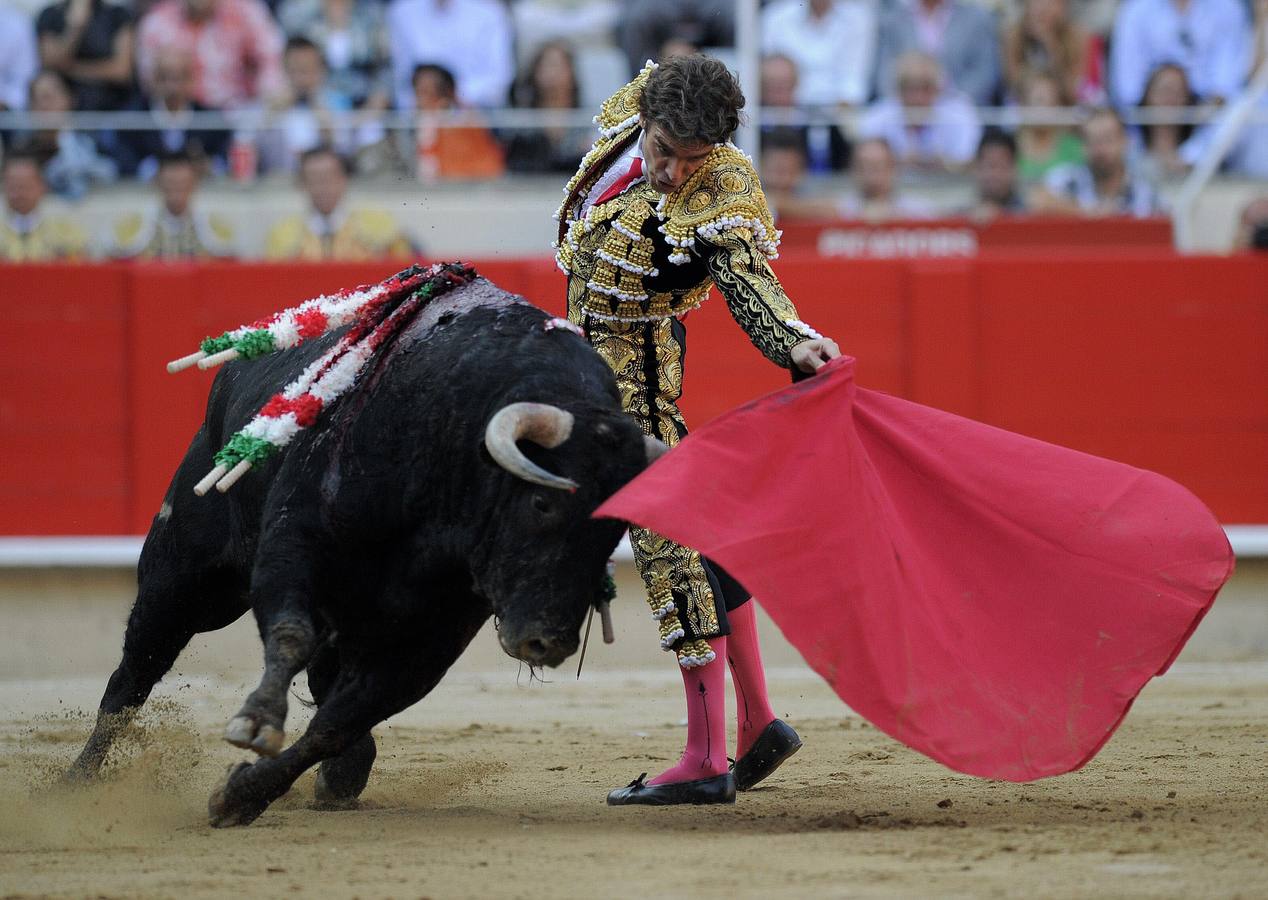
(1211, 41)
(950, 137)
(19, 60)
(470, 38)
(834, 55)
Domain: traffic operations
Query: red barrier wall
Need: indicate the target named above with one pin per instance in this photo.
(1153, 359)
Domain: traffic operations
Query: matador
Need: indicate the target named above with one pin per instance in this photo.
(663, 208)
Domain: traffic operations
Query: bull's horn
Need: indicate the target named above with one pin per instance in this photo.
(655, 448)
(541, 423)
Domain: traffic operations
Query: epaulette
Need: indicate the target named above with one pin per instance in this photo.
(722, 195)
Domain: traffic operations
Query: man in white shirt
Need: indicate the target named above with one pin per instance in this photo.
(1210, 39)
(927, 126)
(833, 43)
(470, 38)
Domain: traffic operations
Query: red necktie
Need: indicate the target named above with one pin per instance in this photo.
(635, 171)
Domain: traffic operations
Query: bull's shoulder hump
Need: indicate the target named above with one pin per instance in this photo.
(479, 294)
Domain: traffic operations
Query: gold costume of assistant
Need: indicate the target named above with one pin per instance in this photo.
(637, 262)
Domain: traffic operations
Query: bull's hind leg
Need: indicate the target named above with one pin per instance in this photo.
(341, 778)
(171, 607)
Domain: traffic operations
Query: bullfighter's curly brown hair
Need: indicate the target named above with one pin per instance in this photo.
(695, 99)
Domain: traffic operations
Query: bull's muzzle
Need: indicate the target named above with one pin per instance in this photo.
(539, 647)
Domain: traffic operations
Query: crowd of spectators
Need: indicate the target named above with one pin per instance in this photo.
(879, 90)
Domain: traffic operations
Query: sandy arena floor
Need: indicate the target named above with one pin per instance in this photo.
(494, 785)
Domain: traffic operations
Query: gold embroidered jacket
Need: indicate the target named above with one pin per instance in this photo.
(637, 262)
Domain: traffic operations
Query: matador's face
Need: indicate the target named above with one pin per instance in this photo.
(667, 163)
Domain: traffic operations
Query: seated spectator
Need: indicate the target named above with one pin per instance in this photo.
(1044, 146)
(173, 229)
(71, 160)
(465, 149)
(305, 110)
(644, 28)
(26, 234)
(471, 39)
(89, 42)
(832, 43)
(876, 197)
(995, 177)
(329, 230)
(170, 102)
(954, 32)
(784, 178)
(235, 44)
(1209, 39)
(549, 82)
(1167, 151)
(353, 42)
(1252, 226)
(927, 126)
(19, 60)
(1105, 186)
(1046, 39)
(825, 148)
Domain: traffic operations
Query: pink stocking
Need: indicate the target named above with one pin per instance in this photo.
(752, 706)
(705, 756)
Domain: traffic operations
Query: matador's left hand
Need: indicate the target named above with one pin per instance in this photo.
(810, 355)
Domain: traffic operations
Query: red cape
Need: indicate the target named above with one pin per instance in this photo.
(990, 600)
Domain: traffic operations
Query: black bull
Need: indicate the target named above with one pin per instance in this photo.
(375, 547)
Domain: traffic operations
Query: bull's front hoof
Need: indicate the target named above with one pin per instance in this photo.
(326, 799)
(250, 733)
(225, 808)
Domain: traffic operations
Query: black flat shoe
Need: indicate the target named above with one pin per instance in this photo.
(775, 744)
(719, 789)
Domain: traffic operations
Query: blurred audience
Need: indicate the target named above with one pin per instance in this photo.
(463, 149)
(329, 229)
(1046, 39)
(1209, 39)
(646, 26)
(1166, 150)
(995, 177)
(1041, 146)
(71, 160)
(832, 43)
(353, 42)
(928, 126)
(580, 23)
(876, 197)
(235, 44)
(824, 147)
(305, 110)
(548, 82)
(470, 38)
(1106, 184)
(89, 42)
(26, 233)
(173, 229)
(960, 35)
(19, 60)
(1252, 227)
(170, 102)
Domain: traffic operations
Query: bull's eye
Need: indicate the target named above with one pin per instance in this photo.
(541, 504)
